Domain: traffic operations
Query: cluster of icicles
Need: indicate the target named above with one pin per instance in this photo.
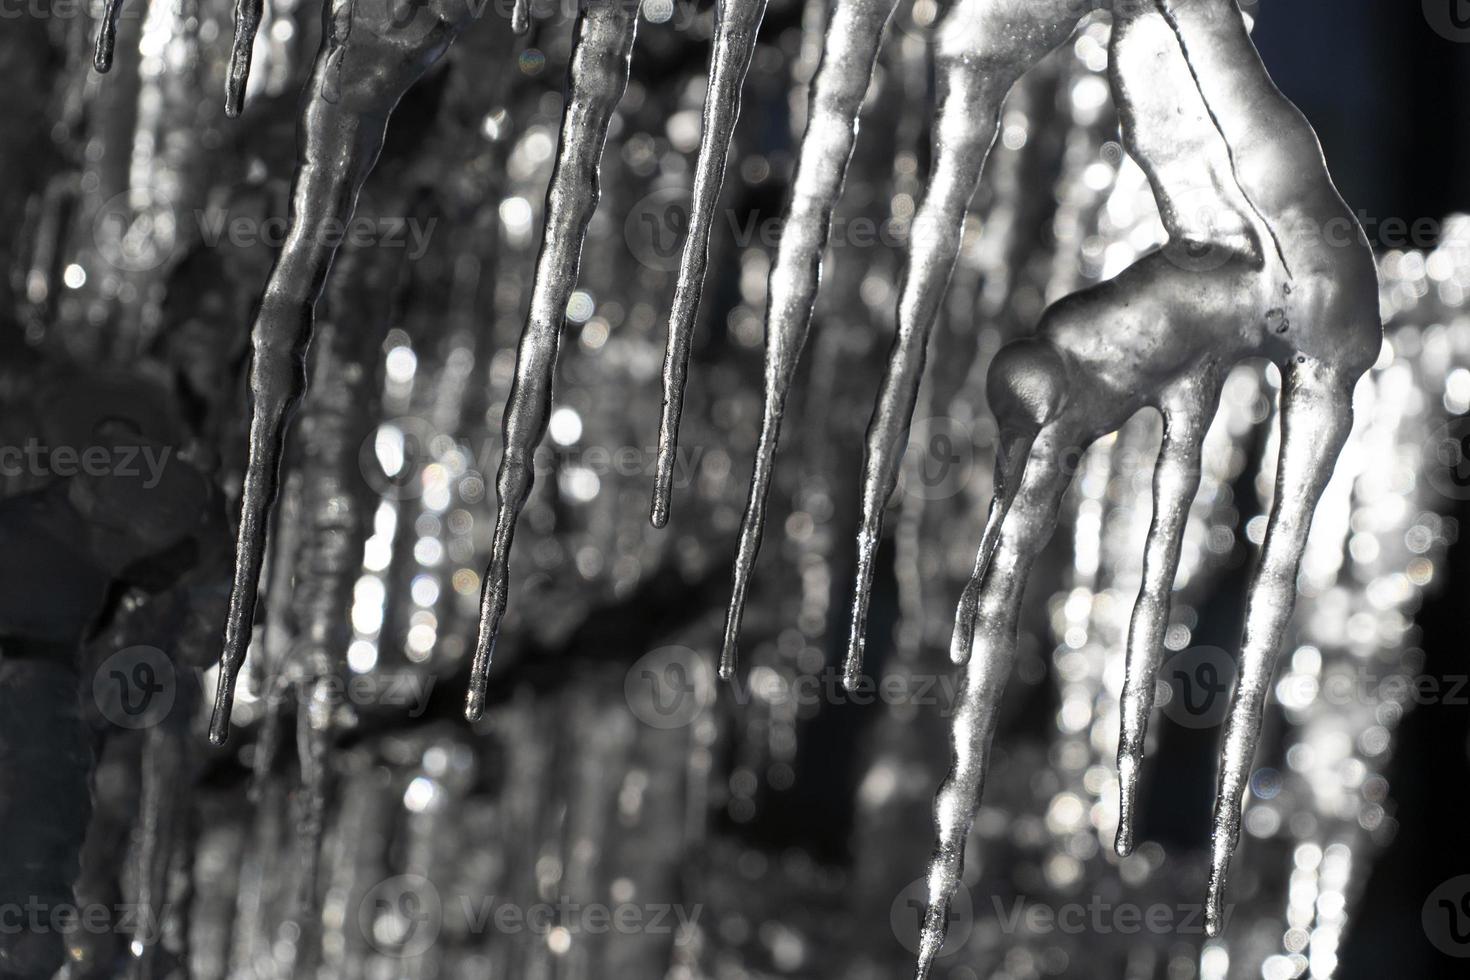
(1240, 183)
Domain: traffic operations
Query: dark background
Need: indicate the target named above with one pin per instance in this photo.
(1390, 98)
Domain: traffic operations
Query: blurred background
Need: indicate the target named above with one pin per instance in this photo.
(619, 813)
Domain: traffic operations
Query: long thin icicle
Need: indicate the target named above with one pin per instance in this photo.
(849, 52)
(1176, 479)
(736, 25)
(981, 54)
(1024, 531)
(1316, 417)
(361, 71)
(601, 53)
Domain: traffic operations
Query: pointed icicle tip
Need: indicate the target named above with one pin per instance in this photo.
(106, 37)
(474, 705)
(247, 23)
(736, 25)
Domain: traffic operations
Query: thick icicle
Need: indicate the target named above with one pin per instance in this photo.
(601, 53)
(361, 71)
(1176, 479)
(1168, 129)
(106, 36)
(849, 52)
(983, 48)
(247, 22)
(736, 25)
(520, 17)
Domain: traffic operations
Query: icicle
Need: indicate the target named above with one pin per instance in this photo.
(313, 745)
(1027, 525)
(977, 62)
(1010, 467)
(601, 53)
(1176, 479)
(849, 52)
(355, 84)
(1168, 129)
(1316, 416)
(163, 774)
(247, 22)
(520, 17)
(736, 25)
(1161, 334)
(106, 36)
